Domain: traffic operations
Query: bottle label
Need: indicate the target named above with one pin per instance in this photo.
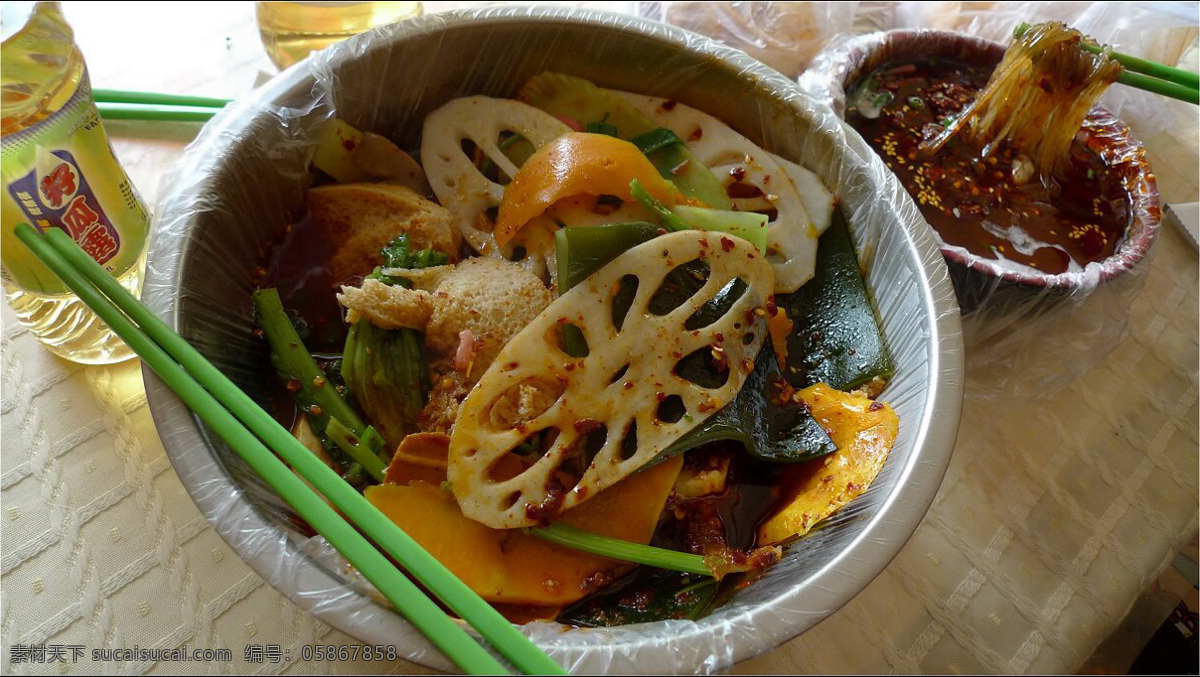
(61, 173)
(56, 194)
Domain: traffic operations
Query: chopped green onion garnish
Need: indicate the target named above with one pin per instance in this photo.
(625, 551)
(601, 128)
(655, 140)
(668, 218)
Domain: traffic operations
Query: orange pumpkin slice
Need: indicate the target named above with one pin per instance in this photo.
(510, 567)
(576, 164)
(864, 431)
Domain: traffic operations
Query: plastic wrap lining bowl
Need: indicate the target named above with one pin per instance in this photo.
(842, 66)
(243, 180)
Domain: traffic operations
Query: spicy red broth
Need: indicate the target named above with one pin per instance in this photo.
(996, 208)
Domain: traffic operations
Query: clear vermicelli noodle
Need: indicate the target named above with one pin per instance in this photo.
(1037, 98)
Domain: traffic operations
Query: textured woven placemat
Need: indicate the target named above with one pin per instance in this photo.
(1053, 516)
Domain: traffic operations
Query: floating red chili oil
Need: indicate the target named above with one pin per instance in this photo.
(995, 208)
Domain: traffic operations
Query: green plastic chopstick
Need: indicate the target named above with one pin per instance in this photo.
(161, 113)
(1144, 74)
(1150, 68)
(424, 567)
(156, 98)
(380, 528)
(122, 104)
(1174, 90)
(407, 597)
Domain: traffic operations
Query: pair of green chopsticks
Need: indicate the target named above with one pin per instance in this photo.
(119, 104)
(1146, 75)
(249, 431)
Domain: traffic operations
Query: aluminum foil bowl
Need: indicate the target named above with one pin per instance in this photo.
(842, 66)
(243, 180)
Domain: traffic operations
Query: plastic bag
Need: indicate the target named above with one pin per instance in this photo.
(1026, 334)
(783, 35)
(242, 182)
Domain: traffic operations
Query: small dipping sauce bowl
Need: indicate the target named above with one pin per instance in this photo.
(994, 284)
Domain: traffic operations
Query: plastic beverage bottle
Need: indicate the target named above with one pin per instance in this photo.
(59, 171)
(292, 30)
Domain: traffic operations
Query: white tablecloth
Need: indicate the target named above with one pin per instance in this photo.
(1053, 516)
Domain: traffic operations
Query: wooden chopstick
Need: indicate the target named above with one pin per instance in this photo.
(185, 370)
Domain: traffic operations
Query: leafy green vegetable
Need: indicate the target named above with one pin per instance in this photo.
(674, 162)
(377, 274)
(315, 395)
(355, 448)
(836, 339)
(652, 595)
(397, 254)
(385, 369)
(386, 373)
(749, 226)
(570, 97)
(655, 140)
(578, 250)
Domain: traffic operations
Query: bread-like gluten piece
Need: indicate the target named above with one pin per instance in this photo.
(360, 218)
(493, 299)
(387, 306)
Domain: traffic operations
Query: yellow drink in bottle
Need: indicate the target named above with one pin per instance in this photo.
(59, 171)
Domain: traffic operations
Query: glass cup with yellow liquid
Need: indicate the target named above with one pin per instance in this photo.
(292, 30)
(59, 171)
